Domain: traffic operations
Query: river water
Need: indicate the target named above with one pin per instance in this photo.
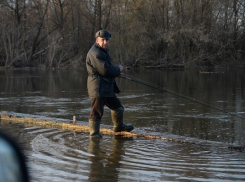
(64, 155)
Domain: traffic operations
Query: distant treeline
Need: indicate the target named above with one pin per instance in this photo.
(159, 33)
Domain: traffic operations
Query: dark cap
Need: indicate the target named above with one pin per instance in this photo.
(103, 34)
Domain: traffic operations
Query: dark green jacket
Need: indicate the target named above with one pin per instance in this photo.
(101, 73)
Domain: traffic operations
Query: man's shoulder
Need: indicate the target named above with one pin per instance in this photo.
(96, 51)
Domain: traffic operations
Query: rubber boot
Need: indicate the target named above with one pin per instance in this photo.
(117, 119)
(94, 128)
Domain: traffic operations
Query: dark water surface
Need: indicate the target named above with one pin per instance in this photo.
(62, 155)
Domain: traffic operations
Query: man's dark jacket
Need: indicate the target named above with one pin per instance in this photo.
(101, 73)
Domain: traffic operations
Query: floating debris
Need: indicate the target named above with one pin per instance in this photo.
(209, 72)
(239, 148)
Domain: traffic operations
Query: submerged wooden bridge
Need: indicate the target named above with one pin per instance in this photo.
(8, 119)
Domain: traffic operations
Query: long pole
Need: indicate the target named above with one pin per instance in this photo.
(177, 94)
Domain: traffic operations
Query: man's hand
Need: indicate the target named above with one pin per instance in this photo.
(121, 68)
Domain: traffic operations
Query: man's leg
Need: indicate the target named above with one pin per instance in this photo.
(96, 114)
(117, 111)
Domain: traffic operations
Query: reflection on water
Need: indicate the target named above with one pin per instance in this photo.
(66, 156)
(106, 164)
(56, 155)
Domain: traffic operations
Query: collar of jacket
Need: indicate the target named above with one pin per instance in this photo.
(97, 45)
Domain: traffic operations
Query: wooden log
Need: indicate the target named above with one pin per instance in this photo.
(28, 122)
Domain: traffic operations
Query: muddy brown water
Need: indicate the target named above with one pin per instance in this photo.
(65, 155)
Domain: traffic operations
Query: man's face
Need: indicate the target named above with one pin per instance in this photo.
(104, 43)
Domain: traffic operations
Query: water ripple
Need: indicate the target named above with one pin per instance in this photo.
(63, 155)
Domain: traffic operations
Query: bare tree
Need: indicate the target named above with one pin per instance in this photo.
(145, 32)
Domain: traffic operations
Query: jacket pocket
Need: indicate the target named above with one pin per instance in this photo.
(116, 89)
(106, 87)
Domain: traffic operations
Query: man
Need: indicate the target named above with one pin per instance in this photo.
(102, 86)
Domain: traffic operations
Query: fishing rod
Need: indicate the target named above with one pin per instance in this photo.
(174, 93)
